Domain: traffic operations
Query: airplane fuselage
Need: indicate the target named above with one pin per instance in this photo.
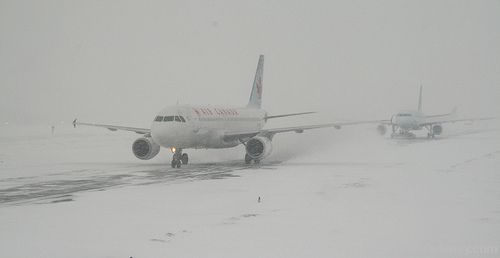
(408, 120)
(203, 126)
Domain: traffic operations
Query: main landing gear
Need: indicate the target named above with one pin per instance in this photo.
(431, 133)
(249, 159)
(179, 158)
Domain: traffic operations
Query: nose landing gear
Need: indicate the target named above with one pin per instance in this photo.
(402, 134)
(184, 158)
(433, 130)
(179, 158)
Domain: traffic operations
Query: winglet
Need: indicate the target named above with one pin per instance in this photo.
(74, 123)
(255, 100)
(420, 100)
(454, 112)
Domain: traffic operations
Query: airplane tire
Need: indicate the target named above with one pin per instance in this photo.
(176, 163)
(184, 158)
(248, 159)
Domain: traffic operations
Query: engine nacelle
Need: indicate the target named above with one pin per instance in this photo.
(381, 129)
(259, 147)
(145, 148)
(437, 129)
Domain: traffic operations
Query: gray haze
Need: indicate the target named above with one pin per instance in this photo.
(122, 61)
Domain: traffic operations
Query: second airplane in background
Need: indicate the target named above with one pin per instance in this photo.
(403, 123)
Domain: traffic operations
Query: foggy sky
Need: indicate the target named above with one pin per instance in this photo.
(122, 61)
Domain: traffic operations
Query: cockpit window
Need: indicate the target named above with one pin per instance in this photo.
(168, 118)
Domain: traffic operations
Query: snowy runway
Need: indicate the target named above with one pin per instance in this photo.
(82, 194)
(62, 186)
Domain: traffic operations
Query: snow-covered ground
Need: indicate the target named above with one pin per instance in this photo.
(327, 193)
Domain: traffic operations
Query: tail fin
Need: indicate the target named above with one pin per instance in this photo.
(454, 112)
(420, 100)
(256, 95)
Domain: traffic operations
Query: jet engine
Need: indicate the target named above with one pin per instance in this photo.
(437, 129)
(145, 148)
(259, 147)
(381, 129)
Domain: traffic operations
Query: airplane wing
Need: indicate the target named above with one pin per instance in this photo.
(443, 121)
(244, 135)
(384, 122)
(285, 115)
(115, 127)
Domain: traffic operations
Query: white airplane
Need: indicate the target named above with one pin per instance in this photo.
(404, 122)
(186, 127)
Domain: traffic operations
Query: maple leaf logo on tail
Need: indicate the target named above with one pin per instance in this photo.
(259, 88)
(256, 94)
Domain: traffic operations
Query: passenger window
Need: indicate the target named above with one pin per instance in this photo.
(177, 119)
(158, 118)
(168, 118)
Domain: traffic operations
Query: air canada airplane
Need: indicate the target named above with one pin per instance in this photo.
(183, 127)
(404, 122)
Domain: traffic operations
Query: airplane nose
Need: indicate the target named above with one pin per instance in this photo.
(169, 134)
(398, 120)
(160, 133)
(404, 122)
